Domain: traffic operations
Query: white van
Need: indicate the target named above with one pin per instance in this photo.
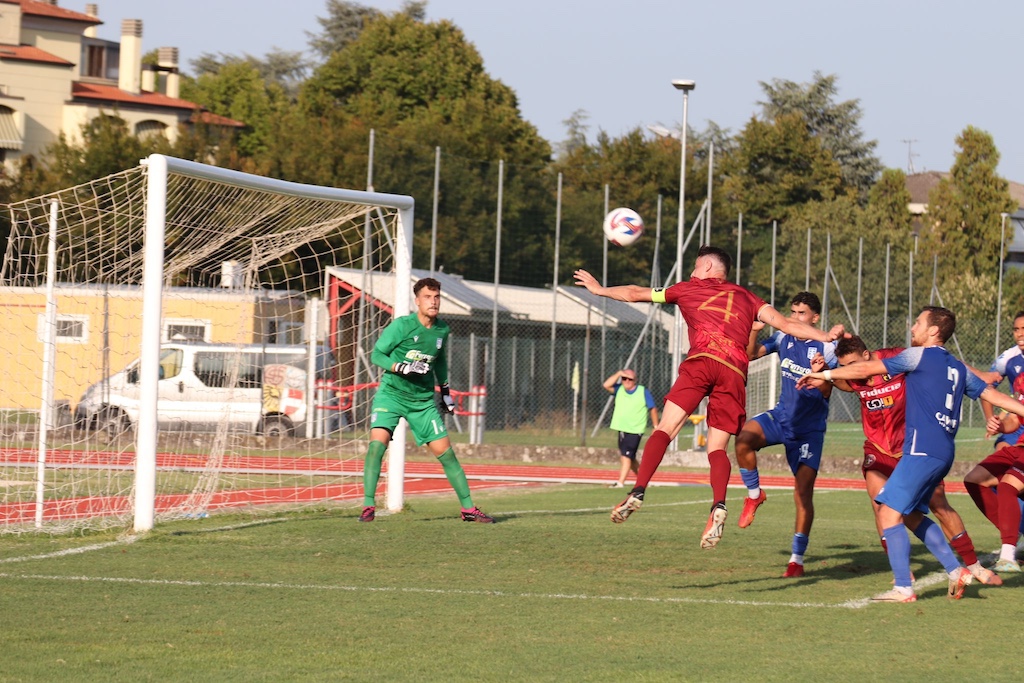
(255, 388)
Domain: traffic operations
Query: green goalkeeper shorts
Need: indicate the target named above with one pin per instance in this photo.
(423, 417)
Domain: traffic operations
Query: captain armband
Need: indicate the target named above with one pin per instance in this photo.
(658, 295)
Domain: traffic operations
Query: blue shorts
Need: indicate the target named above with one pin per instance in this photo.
(629, 444)
(913, 482)
(801, 449)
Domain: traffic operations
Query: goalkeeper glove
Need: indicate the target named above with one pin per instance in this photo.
(447, 403)
(416, 367)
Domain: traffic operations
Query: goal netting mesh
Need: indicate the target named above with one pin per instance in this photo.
(762, 384)
(264, 377)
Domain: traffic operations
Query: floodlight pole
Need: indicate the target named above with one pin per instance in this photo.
(677, 347)
(999, 297)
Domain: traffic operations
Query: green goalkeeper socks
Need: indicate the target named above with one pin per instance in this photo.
(456, 477)
(371, 471)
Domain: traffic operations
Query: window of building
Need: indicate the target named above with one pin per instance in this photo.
(150, 129)
(284, 331)
(94, 61)
(69, 329)
(186, 329)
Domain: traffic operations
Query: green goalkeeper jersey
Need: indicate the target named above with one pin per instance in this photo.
(405, 339)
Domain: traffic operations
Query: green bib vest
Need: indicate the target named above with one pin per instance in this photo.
(630, 412)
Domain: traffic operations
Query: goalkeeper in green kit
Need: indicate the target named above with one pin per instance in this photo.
(412, 351)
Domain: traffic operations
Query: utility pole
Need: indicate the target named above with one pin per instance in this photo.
(910, 155)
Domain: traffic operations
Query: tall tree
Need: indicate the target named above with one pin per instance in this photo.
(836, 124)
(236, 88)
(776, 166)
(964, 209)
(421, 84)
(886, 218)
(346, 20)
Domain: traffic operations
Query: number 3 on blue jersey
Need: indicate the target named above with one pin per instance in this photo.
(953, 375)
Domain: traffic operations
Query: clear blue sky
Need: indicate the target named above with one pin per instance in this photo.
(921, 70)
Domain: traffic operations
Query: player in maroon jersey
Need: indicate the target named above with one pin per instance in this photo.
(719, 316)
(996, 483)
(882, 410)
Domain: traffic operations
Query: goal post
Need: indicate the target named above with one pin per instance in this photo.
(184, 310)
(159, 167)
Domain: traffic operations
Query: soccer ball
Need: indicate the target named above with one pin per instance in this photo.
(623, 226)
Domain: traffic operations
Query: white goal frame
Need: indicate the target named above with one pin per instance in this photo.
(158, 168)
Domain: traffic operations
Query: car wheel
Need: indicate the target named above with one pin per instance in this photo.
(113, 423)
(277, 427)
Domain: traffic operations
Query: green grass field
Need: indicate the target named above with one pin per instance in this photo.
(553, 592)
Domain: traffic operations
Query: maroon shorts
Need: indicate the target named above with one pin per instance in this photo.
(1002, 460)
(725, 388)
(877, 461)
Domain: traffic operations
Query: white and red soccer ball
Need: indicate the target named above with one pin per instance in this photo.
(623, 226)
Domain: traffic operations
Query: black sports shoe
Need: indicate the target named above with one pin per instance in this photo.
(368, 514)
(476, 515)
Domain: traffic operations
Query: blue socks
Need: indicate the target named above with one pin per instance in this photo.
(800, 544)
(752, 480)
(899, 554)
(932, 536)
(898, 540)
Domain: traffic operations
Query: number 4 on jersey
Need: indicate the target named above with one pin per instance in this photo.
(712, 304)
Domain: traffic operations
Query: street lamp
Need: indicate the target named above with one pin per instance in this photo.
(677, 348)
(999, 296)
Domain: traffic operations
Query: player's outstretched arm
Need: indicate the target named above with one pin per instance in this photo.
(1006, 423)
(769, 316)
(992, 378)
(755, 350)
(861, 370)
(1001, 400)
(619, 292)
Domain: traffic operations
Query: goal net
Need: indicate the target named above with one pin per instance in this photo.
(762, 384)
(177, 345)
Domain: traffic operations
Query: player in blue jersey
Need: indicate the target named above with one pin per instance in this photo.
(797, 421)
(936, 384)
(1009, 364)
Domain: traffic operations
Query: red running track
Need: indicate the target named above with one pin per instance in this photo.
(421, 478)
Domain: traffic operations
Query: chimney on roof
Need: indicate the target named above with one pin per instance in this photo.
(149, 74)
(92, 11)
(130, 66)
(167, 59)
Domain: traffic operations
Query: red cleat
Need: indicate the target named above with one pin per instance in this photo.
(957, 584)
(793, 571)
(750, 506)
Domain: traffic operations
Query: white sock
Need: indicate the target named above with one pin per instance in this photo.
(905, 590)
(799, 559)
(1008, 552)
(954, 574)
(754, 493)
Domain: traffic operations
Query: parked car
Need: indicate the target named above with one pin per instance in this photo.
(254, 388)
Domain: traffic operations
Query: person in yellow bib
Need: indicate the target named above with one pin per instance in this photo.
(633, 403)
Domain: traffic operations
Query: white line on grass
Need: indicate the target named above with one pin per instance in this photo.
(428, 591)
(517, 513)
(125, 540)
(71, 551)
(647, 506)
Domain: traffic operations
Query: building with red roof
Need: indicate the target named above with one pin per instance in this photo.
(56, 75)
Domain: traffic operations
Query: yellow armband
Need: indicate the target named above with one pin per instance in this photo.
(658, 295)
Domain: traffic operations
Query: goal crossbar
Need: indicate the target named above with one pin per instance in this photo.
(159, 167)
